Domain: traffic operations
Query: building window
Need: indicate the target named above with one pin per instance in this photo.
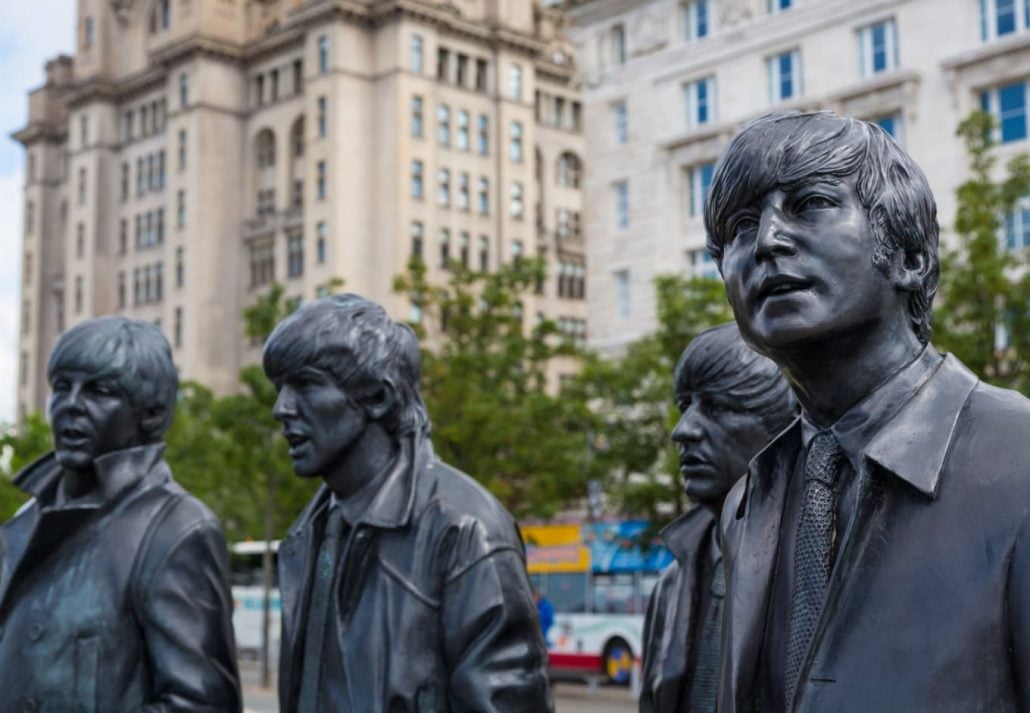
(177, 328)
(445, 247)
(463, 130)
(121, 290)
(619, 114)
(699, 178)
(878, 48)
(417, 236)
(182, 149)
(83, 130)
(123, 236)
(516, 252)
(622, 205)
(1003, 17)
(484, 253)
(515, 81)
(416, 179)
(443, 62)
(461, 70)
(262, 263)
(515, 147)
(160, 225)
(483, 195)
(138, 240)
(30, 217)
(481, 74)
(443, 191)
(700, 102)
(88, 33)
(323, 54)
(893, 125)
(483, 134)
(298, 193)
(320, 180)
(80, 240)
(82, 186)
(1017, 226)
(784, 76)
(517, 206)
(464, 192)
(777, 6)
(416, 116)
(78, 294)
(295, 255)
(569, 170)
(265, 149)
(1008, 106)
(463, 249)
(266, 201)
(622, 293)
(298, 76)
(443, 131)
(322, 122)
(618, 44)
(695, 19)
(184, 90)
(416, 63)
(180, 266)
(320, 242)
(160, 170)
(180, 209)
(274, 85)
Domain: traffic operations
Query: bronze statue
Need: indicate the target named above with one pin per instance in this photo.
(732, 402)
(403, 581)
(114, 581)
(877, 555)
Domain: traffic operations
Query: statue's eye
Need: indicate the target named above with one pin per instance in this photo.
(744, 224)
(815, 202)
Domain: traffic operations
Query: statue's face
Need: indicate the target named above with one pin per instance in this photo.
(321, 422)
(89, 417)
(798, 268)
(716, 440)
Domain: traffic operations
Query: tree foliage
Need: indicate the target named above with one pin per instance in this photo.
(18, 448)
(486, 373)
(985, 289)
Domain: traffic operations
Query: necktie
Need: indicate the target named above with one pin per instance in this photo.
(705, 686)
(318, 612)
(813, 554)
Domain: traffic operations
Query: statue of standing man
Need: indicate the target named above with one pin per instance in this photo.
(403, 582)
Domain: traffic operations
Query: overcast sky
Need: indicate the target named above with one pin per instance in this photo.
(31, 31)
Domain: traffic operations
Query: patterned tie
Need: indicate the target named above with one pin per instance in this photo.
(705, 686)
(813, 554)
(318, 613)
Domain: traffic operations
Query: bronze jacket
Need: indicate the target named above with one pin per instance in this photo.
(434, 611)
(673, 617)
(115, 602)
(928, 606)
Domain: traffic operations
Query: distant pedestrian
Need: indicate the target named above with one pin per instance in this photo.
(545, 611)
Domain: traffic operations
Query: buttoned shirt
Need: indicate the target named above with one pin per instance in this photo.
(854, 430)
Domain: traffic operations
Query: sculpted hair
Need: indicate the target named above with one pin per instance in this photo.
(354, 341)
(132, 353)
(718, 361)
(786, 149)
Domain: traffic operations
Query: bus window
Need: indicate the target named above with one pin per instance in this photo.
(567, 592)
(614, 594)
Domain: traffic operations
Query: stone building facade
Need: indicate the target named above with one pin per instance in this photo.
(666, 84)
(192, 152)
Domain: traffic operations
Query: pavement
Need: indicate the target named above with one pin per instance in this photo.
(570, 697)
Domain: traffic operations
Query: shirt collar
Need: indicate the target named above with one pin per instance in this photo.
(907, 423)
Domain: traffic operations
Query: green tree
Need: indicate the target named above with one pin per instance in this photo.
(984, 286)
(632, 401)
(486, 374)
(18, 448)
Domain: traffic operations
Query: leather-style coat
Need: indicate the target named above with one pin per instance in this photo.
(928, 605)
(673, 619)
(434, 612)
(118, 601)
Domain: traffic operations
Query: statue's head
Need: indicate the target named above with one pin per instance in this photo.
(821, 225)
(732, 402)
(113, 386)
(340, 363)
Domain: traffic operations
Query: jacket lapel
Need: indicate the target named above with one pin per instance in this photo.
(751, 562)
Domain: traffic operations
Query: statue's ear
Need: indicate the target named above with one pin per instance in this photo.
(382, 402)
(150, 423)
(909, 270)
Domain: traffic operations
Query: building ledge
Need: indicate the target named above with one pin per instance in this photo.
(888, 81)
(40, 131)
(986, 53)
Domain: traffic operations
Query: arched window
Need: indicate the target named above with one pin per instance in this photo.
(265, 148)
(569, 170)
(297, 138)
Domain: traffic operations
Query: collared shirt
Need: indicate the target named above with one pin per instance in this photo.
(854, 431)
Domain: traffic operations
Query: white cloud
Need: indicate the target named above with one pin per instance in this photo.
(30, 34)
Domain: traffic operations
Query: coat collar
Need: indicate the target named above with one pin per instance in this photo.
(683, 535)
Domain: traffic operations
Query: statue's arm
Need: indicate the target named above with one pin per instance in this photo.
(185, 610)
(492, 640)
(1019, 614)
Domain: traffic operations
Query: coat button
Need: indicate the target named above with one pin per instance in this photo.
(29, 706)
(35, 631)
